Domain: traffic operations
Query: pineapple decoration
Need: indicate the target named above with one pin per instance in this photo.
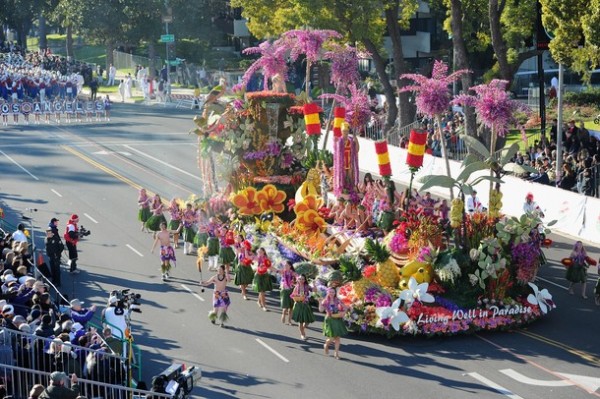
(351, 273)
(456, 212)
(387, 271)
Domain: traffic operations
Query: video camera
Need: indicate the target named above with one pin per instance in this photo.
(128, 300)
(83, 232)
(176, 380)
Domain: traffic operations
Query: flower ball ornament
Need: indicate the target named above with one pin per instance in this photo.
(339, 114)
(383, 158)
(311, 119)
(416, 148)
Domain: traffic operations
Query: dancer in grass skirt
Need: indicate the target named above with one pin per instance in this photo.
(244, 274)
(144, 212)
(167, 253)
(577, 272)
(334, 326)
(221, 300)
(262, 279)
(302, 312)
(157, 207)
(212, 244)
(188, 219)
(201, 238)
(288, 275)
(175, 221)
(226, 253)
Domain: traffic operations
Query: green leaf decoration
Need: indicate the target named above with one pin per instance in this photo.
(476, 146)
(509, 153)
(437, 181)
(470, 169)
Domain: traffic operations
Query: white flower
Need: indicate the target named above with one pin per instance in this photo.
(473, 279)
(417, 292)
(474, 254)
(541, 298)
(450, 271)
(396, 316)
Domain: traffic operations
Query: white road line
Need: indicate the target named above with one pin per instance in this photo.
(162, 162)
(494, 386)
(515, 375)
(551, 282)
(56, 192)
(273, 351)
(198, 297)
(134, 250)
(91, 218)
(16, 163)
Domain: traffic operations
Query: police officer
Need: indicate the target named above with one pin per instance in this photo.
(54, 248)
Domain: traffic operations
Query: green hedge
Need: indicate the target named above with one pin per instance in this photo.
(590, 96)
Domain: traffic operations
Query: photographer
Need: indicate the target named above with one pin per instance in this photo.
(114, 317)
(71, 239)
(54, 249)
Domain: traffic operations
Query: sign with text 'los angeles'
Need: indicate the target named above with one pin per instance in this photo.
(52, 107)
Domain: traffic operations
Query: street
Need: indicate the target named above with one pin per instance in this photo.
(95, 170)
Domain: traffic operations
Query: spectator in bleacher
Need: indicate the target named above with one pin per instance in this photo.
(36, 391)
(569, 179)
(19, 235)
(79, 314)
(45, 329)
(57, 388)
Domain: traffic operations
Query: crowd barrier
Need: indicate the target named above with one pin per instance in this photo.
(577, 215)
(19, 381)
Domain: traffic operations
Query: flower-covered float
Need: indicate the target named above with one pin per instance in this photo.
(399, 267)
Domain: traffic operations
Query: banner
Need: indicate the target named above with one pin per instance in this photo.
(52, 107)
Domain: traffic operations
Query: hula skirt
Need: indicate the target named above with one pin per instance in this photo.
(286, 301)
(213, 246)
(144, 214)
(262, 282)
(577, 273)
(174, 224)
(201, 239)
(153, 223)
(302, 313)
(226, 255)
(334, 327)
(188, 234)
(244, 275)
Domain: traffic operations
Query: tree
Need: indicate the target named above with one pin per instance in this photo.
(362, 22)
(19, 15)
(570, 21)
(512, 23)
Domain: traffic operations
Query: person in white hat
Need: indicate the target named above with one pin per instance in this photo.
(79, 314)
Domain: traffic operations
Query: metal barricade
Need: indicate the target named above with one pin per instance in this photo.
(52, 354)
(19, 381)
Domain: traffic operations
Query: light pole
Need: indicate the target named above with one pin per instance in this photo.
(33, 247)
(559, 122)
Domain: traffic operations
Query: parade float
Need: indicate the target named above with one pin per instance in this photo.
(410, 272)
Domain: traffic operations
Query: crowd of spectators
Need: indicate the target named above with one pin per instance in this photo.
(580, 170)
(53, 336)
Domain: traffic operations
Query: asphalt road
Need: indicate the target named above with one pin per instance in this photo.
(93, 169)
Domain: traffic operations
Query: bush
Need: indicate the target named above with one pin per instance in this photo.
(590, 96)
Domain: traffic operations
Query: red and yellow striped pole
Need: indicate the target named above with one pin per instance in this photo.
(383, 158)
(416, 148)
(339, 114)
(311, 119)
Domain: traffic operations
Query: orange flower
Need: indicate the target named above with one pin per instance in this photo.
(271, 199)
(310, 221)
(246, 201)
(309, 202)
